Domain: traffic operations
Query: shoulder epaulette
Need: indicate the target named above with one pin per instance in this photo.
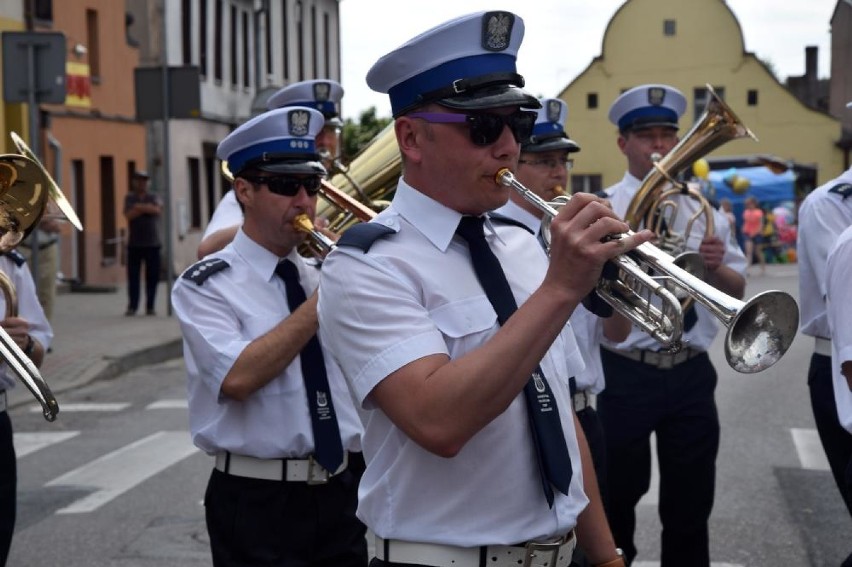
(200, 271)
(842, 189)
(16, 257)
(497, 217)
(601, 193)
(362, 236)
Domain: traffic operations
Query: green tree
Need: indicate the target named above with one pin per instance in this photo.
(357, 135)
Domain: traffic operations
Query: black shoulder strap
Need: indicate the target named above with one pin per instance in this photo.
(497, 217)
(200, 271)
(16, 257)
(601, 193)
(362, 236)
(842, 189)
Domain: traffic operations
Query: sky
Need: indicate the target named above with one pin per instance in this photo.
(776, 31)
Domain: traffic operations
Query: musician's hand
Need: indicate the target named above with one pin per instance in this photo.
(580, 245)
(712, 249)
(18, 329)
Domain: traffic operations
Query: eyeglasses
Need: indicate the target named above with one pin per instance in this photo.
(288, 186)
(550, 163)
(485, 127)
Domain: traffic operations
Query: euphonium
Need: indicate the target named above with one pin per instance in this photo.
(652, 205)
(24, 189)
(320, 244)
(759, 331)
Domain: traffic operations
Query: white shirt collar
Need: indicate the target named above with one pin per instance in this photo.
(259, 258)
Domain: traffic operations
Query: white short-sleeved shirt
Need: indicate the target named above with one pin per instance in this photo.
(838, 281)
(28, 308)
(701, 336)
(415, 294)
(226, 215)
(219, 318)
(823, 215)
(587, 332)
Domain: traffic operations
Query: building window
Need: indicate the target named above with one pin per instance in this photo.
(326, 37)
(234, 54)
(267, 23)
(194, 167)
(592, 100)
(93, 45)
(702, 97)
(217, 42)
(300, 40)
(314, 41)
(186, 31)
(246, 53)
(285, 41)
(43, 10)
(591, 183)
(202, 38)
(669, 27)
(751, 97)
(109, 244)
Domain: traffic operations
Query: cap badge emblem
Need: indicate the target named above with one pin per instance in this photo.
(322, 91)
(299, 120)
(553, 110)
(656, 96)
(497, 30)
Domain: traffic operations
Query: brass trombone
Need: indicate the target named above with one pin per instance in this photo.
(759, 331)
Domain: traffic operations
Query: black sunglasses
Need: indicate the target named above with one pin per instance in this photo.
(485, 127)
(288, 186)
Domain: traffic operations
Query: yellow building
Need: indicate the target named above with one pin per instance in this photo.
(688, 44)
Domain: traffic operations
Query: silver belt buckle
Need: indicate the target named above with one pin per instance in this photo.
(537, 551)
(316, 472)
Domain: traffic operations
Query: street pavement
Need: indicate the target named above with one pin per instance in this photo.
(94, 340)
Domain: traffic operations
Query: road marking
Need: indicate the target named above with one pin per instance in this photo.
(808, 446)
(26, 443)
(119, 471)
(167, 404)
(83, 407)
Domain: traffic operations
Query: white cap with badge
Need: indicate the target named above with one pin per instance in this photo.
(646, 106)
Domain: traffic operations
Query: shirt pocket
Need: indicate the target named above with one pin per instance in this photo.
(465, 324)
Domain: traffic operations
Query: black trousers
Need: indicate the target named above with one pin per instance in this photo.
(136, 256)
(592, 427)
(287, 524)
(836, 441)
(8, 486)
(678, 405)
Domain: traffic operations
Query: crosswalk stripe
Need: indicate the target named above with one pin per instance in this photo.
(119, 471)
(167, 404)
(30, 442)
(83, 407)
(808, 446)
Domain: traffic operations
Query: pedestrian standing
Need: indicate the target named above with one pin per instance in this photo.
(142, 210)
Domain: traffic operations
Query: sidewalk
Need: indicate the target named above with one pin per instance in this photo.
(93, 340)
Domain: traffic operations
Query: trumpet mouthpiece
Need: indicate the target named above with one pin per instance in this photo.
(559, 190)
(303, 223)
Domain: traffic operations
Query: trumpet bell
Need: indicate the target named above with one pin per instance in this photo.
(761, 332)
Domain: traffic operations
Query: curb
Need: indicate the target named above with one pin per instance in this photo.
(111, 368)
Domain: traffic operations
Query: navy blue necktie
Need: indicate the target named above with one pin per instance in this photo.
(548, 437)
(328, 450)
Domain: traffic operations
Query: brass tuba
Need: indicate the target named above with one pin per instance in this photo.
(24, 190)
(759, 331)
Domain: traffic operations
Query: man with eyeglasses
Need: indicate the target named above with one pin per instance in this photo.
(265, 400)
(473, 453)
(650, 391)
(321, 94)
(543, 169)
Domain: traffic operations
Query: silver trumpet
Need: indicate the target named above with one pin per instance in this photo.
(759, 331)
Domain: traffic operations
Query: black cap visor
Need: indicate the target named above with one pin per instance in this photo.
(494, 96)
(537, 145)
(290, 167)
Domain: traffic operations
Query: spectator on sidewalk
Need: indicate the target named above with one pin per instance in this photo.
(46, 238)
(142, 210)
(751, 230)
